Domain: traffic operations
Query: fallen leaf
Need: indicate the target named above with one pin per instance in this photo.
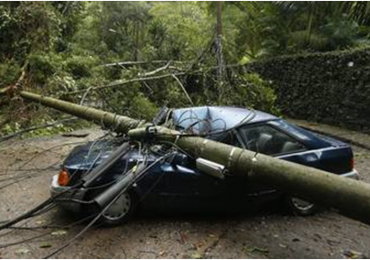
(22, 251)
(351, 254)
(45, 245)
(59, 233)
(196, 255)
(257, 249)
(282, 245)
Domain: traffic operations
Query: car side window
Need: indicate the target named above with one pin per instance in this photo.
(268, 140)
(231, 139)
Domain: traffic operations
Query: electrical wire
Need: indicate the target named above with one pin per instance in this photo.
(33, 212)
(68, 243)
(47, 233)
(40, 207)
(250, 116)
(50, 203)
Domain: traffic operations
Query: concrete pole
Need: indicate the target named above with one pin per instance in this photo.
(350, 196)
(115, 122)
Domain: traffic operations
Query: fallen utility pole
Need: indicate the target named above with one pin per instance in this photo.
(351, 197)
(113, 121)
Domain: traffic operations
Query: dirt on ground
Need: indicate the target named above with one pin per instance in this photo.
(28, 165)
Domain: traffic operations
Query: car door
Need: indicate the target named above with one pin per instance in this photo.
(267, 139)
(187, 187)
(233, 189)
(183, 187)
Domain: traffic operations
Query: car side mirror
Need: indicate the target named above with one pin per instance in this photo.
(211, 168)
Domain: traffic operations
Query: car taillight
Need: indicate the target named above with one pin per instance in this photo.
(352, 163)
(63, 177)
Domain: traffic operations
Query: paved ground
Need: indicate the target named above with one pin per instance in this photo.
(258, 235)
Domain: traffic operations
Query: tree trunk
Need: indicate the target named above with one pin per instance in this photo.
(220, 69)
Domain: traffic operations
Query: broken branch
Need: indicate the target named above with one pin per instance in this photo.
(124, 82)
(183, 89)
(19, 133)
(156, 70)
(132, 63)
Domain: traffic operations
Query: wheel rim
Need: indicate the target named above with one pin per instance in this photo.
(119, 208)
(302, 205)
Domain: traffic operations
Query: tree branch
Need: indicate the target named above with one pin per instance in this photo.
(124, 82)
(132, 63)
(150, 73)
(10, 136)
(183, 89)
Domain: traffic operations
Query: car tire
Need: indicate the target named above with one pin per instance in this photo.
(121, 211)
(300, 207)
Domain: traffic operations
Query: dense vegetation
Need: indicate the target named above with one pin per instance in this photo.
(61, 47)
(331, 87)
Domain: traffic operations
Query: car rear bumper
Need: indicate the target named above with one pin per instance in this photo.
(77, 194)
(352, 175)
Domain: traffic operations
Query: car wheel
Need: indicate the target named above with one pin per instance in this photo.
(300, 207)
(120, 211)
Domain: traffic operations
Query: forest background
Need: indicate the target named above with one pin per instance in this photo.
(132, 58)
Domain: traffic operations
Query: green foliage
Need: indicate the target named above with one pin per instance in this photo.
(175, 30)
(143, 107)
(80, 66)
(9, 72)
(328, 87)
(63, 45)
(62, 83)
(55, 127)
(320, 26)
(10, 128)
(254, 92)
(43, 65)
(242, 89)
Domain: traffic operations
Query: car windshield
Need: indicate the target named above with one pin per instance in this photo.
(209, 120)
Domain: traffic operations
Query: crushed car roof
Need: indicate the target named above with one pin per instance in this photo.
(208, 119)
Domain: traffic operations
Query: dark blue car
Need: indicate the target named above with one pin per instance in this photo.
(178, 186)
